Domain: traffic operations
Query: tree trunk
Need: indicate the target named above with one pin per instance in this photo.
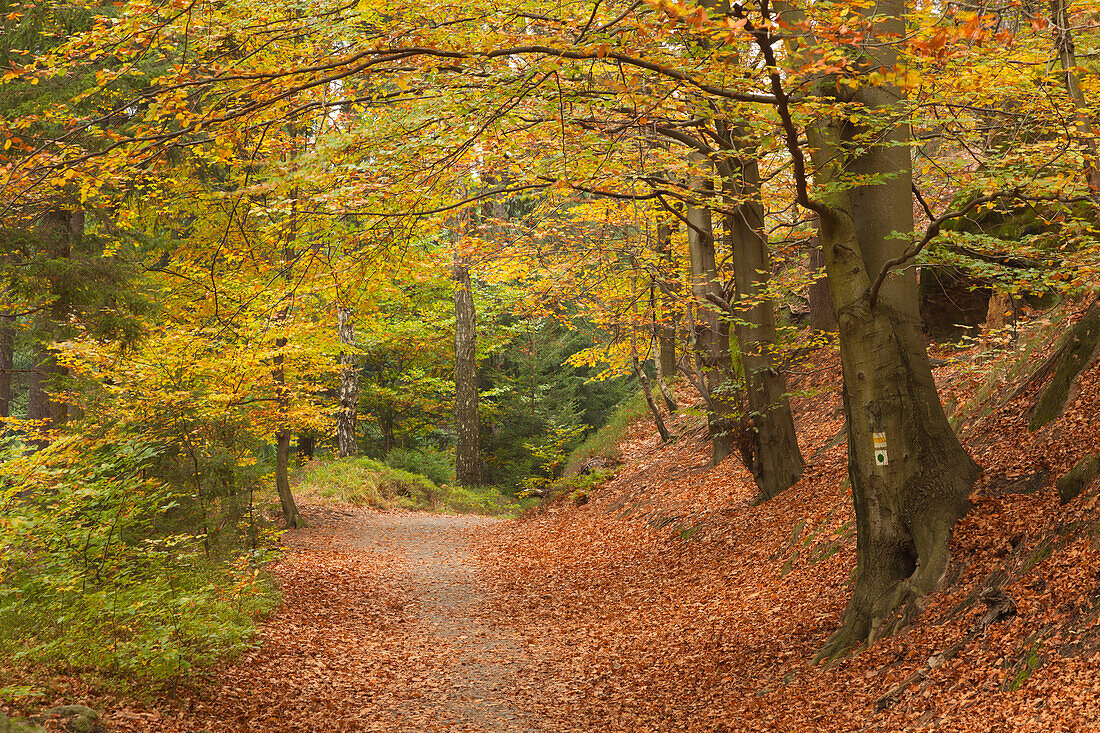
(386, 421)
(999, 312)
(7, 362)
(711, 334)
(822, 315)
(346, 443)
(658, 366)
(658, 420)
(467, 417)
(60, 231)
(910, 475)
(776, 462)
(282, 443)
(666, 335)
(282, 436)
(1067, 56)
(38, 401)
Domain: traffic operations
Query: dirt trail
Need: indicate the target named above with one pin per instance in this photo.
(385, 625)
(475, 682)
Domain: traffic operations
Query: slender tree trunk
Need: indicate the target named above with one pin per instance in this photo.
(1067, 56)
(910, 475)
(776, 461)
(282, 441)
(60, 231)
(282, 436)
(38, 401)
(346, 443)
(658, 367)
(658, 420)
(643, 378)
(7, 363)
(386, 423)
(467, 417)
(711, 335)
(666, 353)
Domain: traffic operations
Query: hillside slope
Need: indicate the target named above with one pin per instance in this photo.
(669, 601)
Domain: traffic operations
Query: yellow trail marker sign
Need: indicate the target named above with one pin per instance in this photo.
(881, 459)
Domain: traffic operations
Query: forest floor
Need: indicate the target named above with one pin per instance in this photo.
(670, 600)
(385, 626)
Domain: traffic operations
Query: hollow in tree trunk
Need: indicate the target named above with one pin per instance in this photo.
(346, 443)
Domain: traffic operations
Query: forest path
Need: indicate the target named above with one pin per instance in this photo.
(473, 665)
(385, 625)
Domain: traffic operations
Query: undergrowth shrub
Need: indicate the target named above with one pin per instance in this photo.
(604, 442)
(89, 578)
(368, 483)
(435, 465)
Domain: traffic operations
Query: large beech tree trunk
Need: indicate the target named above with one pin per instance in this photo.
(346, 443)
(712, 352)
(776, 462)
(822, 315)
(467, 417)
(908, 498)
(1067, 56)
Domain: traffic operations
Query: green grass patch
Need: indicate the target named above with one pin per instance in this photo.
(365, 482)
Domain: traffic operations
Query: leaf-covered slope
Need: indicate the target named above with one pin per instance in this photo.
(671, 602)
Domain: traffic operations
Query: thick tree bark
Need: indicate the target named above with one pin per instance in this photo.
(776, 462)
(718, 387)
(467, 416)
(346, 442)
(822, 315)
(909, 494)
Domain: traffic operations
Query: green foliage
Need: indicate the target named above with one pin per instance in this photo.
(90, 579)
(604, 442)
(491, 500)
(437, 466)
(538, 404)
(368, 483)
(577, 487)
